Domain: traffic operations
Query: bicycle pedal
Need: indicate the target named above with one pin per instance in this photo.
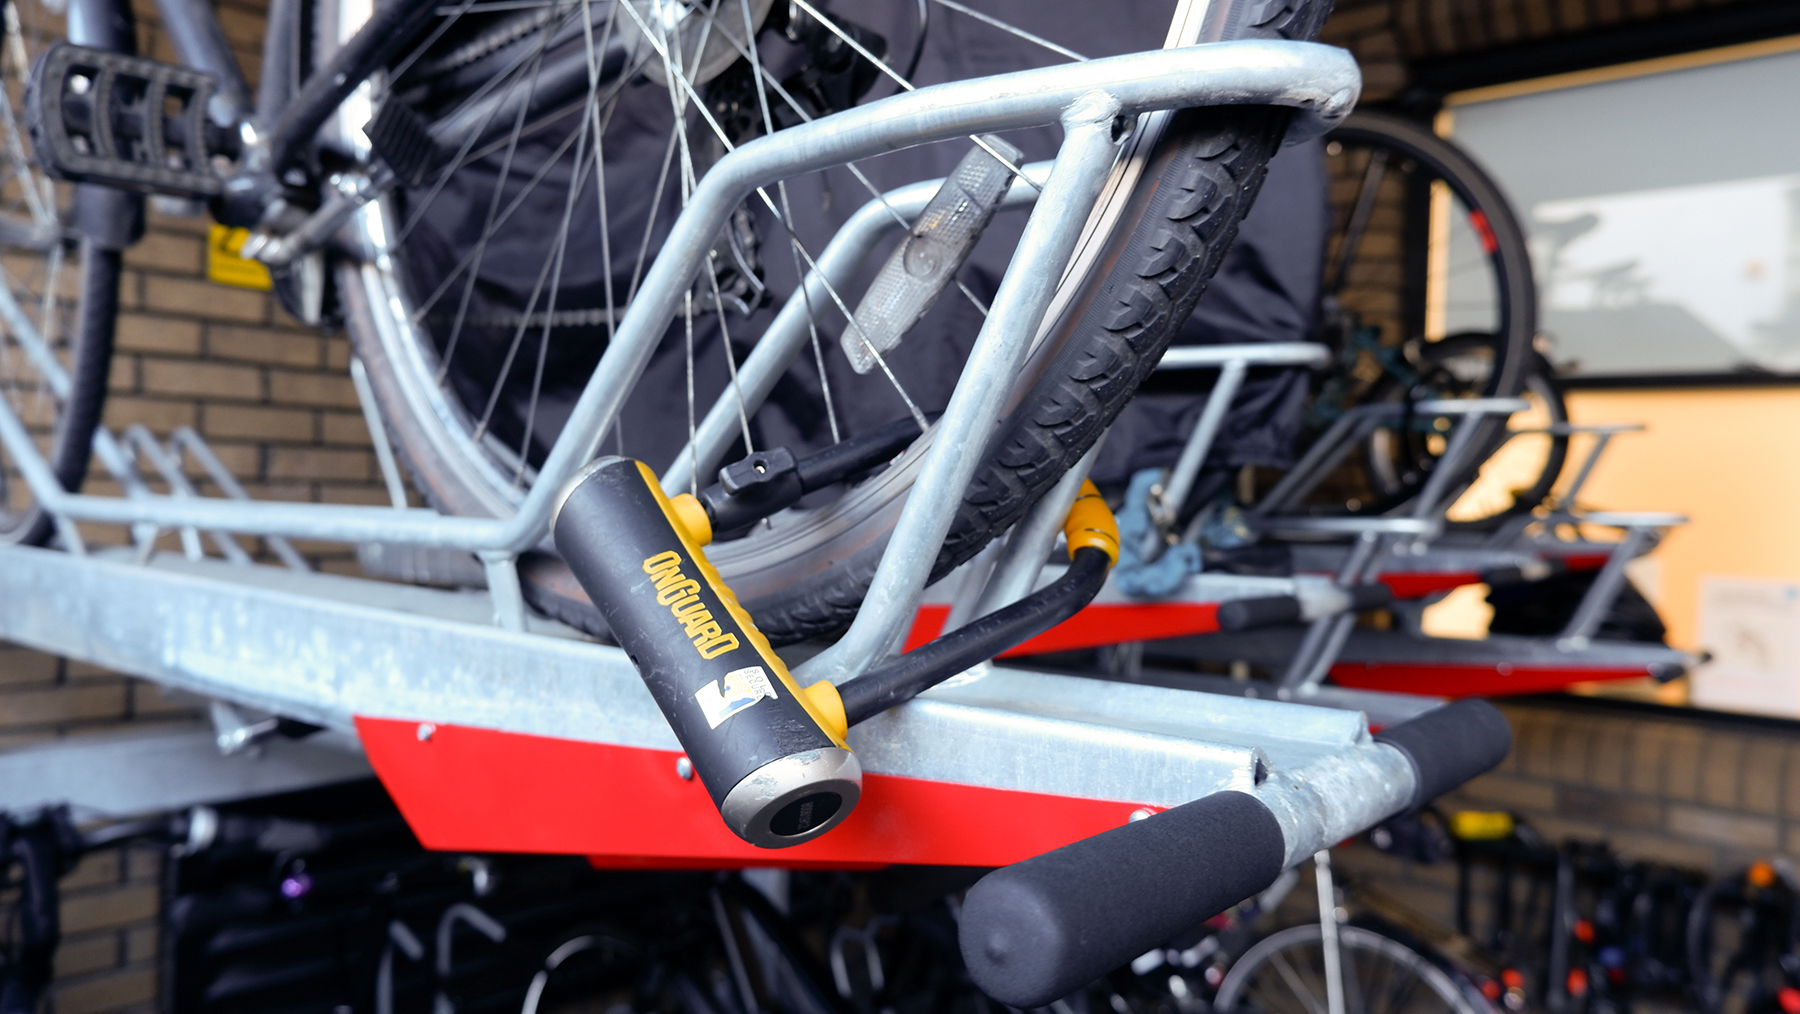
(126, 122)
(400, 137)
(771, 755)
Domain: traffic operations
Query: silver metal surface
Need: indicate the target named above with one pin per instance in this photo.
(138, 772)
(1028, 548)
(1320, 82)
(752, 804)
(1200, 441)
(788, 332)
(325, 649)
(1198, 357)
(378, 436)
(1090, 145)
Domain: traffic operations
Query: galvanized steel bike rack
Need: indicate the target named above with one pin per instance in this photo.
(351, 654)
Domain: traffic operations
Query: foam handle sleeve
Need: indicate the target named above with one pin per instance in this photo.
(1248, 614)
(1043, 928)
(1450, 745)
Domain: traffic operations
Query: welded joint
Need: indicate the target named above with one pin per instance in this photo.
(503, 587)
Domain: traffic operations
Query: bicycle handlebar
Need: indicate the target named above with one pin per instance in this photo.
(1042, 928)
(1450, 745)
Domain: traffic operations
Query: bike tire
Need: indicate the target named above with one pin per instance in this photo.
(1425, 159)
(1363, 949)
(1203, 175)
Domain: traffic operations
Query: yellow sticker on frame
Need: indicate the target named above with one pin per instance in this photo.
(225, 266)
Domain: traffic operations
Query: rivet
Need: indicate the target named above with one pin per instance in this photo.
(425, 731)
(1137, 815)
(684, 768)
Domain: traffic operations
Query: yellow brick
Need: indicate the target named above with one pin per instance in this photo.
(161, 415)
(110, 991)
(140, 332)
(91, 953)
(263, 345)
(370, 494)
(62, 704)
(94, 869)
(345, 428)
(319, 463)
(202, 379)
(149, 700)
(188, 225)
(242, 28)
(144, 864)
(115, 906)
(167, 252)
(259, 422)
(243, 461)
(19, 667)
(124, 376)
(140, 944)
(204, 299)
(337, 353)
(324, 390)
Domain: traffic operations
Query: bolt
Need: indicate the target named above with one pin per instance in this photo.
(1137, 815)
(425, 731)
(684, 768)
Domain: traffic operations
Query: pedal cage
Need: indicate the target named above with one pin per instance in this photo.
(125, 121)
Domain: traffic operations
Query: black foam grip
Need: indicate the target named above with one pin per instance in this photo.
(1045, 927)
(1248, 614)
(1450, 745)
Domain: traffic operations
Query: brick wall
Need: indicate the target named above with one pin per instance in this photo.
(1703, 791)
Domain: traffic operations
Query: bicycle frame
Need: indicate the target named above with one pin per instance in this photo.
(1321, 83)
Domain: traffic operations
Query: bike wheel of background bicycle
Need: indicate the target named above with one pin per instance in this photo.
(1429, 293)
(59, 293)
(472, 412)
(1285, 972)
(1743, 943)
(1515, 474)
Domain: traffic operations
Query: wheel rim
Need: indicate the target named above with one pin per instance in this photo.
(1425, 255)
(1285, 972)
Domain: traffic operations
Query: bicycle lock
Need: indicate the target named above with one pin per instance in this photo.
(771, 754)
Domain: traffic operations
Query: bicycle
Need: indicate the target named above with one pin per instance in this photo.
(429, 88)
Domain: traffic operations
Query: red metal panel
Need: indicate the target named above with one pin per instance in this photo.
(480, 790)
(1096, 625)
(1445, 680)
(1415, 585)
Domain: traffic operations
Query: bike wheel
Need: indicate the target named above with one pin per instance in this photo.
(1512, 475)
(59, 293)
(1285, 971)
(1743, 943)
(1428, 286)
(472, 414)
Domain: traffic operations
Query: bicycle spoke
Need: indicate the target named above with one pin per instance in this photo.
(882, 66)
(911, 406)
(1291, 978)
(579, 181)
(1012, 29)
(1360, 213)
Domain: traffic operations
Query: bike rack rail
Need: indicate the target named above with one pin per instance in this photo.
(496, 730)
(502, 740)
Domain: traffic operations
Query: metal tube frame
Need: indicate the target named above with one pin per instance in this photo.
(1320, 82)
(1091, 143)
